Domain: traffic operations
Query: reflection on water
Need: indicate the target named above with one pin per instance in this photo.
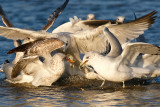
(27, 95)
(32, 14)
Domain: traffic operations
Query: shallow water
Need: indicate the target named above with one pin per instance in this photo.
(33, 15)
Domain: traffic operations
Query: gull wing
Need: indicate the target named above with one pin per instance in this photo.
(91, 40)
(97, 44)
(39, 47)
(4, 18)
(8, 24)
(21, 65)
(96, 23)
(132, 50)
(131, 30)
(17, 33)
(54, 16)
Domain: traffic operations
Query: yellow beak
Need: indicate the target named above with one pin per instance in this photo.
(83, 63)
(70, 61)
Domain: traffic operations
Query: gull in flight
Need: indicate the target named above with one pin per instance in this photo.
(118, 68)
(30, 69)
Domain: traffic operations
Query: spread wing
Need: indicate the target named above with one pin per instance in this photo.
(17, 33)
(132, 50)
(90, 40)
(97, 23)
(8, 24)
(20, 65)
(39, 47)
(98, 44)
(131, 30)
(54, 16)
(4, 18)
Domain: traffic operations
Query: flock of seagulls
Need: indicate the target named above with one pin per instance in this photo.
(94, 49)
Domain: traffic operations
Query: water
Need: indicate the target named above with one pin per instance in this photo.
(77, 92)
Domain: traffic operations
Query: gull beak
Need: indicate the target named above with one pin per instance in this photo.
(70, 61)
(83, 64)
(70, 58)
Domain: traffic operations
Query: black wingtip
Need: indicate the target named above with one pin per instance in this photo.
(7, 61)
(2, 13)
(22, 48)
(54, 16)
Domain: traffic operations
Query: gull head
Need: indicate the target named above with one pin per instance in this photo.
(89, 59)
(120, 19)
(27, 40)
(70, 58)
(90, 17)
(64, 36)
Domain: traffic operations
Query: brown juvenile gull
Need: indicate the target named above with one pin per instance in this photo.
(30, 69)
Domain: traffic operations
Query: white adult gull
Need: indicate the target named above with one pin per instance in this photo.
(117, 67)
(87, 40)
(30, 69)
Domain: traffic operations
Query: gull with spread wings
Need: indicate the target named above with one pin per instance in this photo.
(118, 67)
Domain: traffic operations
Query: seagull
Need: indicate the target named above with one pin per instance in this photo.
(117, 67)
(87, 40)
(30, 69)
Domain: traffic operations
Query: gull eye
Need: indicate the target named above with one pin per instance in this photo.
(87, 57)
(67, 43)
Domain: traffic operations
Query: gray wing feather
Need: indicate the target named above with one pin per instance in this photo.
(17, 33)
(132, 50)
(20, 65)
(131, 30)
